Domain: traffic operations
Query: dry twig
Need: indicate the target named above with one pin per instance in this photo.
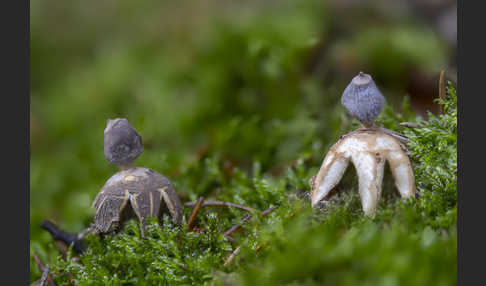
(442, 87)
(194, 212)
(245, 220)
(63, 248)
(236, 226)
(46, 277)
(410, 125)
(267, 211)
(220, 204)
(232, 256)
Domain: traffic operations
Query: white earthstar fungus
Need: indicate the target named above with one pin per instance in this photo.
(368, 149)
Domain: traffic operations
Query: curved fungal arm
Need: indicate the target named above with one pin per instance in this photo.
(402, 172)
(329, 175)
(173, 204)
(369, 169)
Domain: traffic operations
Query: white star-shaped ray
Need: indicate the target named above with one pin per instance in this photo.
(368, 149)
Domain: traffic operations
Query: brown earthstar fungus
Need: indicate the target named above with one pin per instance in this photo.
(368, 148)
(133, 192)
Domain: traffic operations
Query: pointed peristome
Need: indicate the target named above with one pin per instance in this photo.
(367, 149)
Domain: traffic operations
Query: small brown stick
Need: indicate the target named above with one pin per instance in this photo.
(237, 226)
(442, 87)
(194, 212)
(44, 275)
(62, 247)
(43, 269)
(232, 256)
(38, 262)
(245, 220)
(397, 135)
(229, 238)
(43, 279)
(220, 204)
(86, 231)
(267, 211)
(410, 125)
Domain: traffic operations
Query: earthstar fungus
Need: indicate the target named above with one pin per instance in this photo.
(367, 148)
(133, 192)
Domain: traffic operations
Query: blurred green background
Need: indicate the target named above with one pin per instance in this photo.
(240, 81)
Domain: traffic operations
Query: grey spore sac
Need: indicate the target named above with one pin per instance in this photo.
(122, 143)
(362, 99)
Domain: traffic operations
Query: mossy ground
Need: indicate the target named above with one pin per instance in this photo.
(408, 242)
(230, 110)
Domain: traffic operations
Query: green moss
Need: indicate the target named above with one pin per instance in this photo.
(167, 255)
(411, 242)
(434, 149)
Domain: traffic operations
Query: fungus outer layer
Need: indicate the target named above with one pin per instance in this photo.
(367, 149)
(135, 193)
